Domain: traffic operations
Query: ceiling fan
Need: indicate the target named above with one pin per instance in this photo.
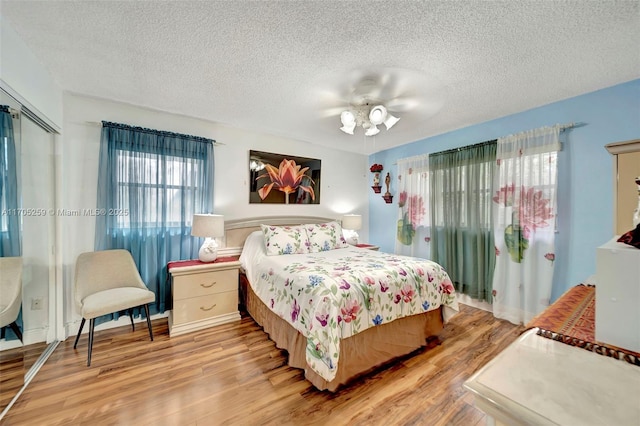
(373, 97)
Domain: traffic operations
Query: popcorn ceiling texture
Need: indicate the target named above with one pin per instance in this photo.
(284, 67)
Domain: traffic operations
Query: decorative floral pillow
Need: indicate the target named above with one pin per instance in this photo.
(325, 236)
(285, 239)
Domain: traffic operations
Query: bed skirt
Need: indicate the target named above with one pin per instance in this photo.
(359, 354)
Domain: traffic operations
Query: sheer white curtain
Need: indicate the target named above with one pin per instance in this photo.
(524, 212)
(413, 232)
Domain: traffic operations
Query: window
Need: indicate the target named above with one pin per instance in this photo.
(161, 189)
(460, 196)
(150, 184)
(461, 199)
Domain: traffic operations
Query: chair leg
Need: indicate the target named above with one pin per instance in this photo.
(16, 329)
(146, 311)
(92, 322)
(131, 318)
(79, 331)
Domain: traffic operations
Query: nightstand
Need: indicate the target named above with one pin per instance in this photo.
(204, 294)
(368, 246)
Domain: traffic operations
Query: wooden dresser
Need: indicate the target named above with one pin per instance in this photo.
(203, 294)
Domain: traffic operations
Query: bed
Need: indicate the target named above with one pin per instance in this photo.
(339, 310)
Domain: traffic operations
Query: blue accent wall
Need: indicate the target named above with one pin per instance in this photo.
(585, 174)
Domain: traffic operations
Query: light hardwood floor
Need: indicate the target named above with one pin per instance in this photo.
(233, 374)
(14, 364)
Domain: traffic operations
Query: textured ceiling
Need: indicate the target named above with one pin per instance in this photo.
(284, 67)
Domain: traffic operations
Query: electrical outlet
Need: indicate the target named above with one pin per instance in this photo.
(36, 303)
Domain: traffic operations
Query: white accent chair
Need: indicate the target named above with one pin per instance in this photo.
(106, 282)
(10, 293)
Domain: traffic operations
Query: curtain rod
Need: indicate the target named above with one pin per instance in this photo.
(99, 124)
(476, 145)
(562, 128)
(570, 125)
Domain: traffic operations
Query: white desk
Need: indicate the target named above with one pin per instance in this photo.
(538, 381)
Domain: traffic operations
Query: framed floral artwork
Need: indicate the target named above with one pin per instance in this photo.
(283, 179)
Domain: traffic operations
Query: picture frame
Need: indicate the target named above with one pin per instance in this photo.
(283, 179)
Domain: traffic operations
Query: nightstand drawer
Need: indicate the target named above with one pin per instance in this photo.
(204, 283)
(203, 294)
(203, 307)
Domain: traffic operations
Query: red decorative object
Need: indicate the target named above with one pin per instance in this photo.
(375, 168)
(376, 189)
(388, 198)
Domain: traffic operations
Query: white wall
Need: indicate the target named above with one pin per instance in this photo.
(344, 177)
(26, 77)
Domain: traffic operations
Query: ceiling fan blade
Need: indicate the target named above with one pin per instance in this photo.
(402, 103)
(333, 112)
(392, 87)
(407, 94)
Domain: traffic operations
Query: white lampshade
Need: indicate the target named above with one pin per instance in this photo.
(372, 131)
(348, 128)
(377, 115)
(390, 121)
(352, 222)
(347, 118)
(207, 225)
(350, 225)
(348, 122)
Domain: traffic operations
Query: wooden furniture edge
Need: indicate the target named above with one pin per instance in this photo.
(616, 148)
(178, 329)
(184, 270)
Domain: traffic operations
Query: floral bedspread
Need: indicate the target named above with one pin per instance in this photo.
(333, 295)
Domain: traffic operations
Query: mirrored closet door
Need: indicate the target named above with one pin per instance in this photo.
(34, 165)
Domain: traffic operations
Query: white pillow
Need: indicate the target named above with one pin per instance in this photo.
(285, 239)
(325, 236)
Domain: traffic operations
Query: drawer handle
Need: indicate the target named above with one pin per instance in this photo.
(202, 308)
(208, 286)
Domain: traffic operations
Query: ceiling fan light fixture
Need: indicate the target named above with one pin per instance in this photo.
(347, 118)
(366, 116)
(377, 115)
(390, 121)
(371, 131)
(348, 128)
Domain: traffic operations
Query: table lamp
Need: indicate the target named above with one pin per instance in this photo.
(209, 226)
(350, 224)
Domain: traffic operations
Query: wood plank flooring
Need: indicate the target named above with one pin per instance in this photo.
(234, 375)
(14, 364)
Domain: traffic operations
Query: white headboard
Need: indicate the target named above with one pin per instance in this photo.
(237, 230)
